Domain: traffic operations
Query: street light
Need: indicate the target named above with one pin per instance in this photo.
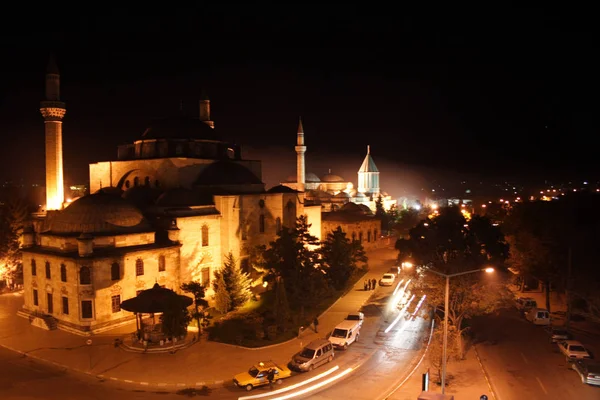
(446, 302)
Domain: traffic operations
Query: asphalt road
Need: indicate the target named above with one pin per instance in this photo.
(523, 364)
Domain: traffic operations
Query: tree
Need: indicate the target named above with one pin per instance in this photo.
(281, 308)
(339, 257)
(222, 299)
(291, 258)
(13, 217)
(382, 214)
(237, 283)
(198, 291)
(436, 351)
(174, 320)
(406, 220)
(449, 244)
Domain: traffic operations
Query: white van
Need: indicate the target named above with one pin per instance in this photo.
(345, 334)
(539, 316)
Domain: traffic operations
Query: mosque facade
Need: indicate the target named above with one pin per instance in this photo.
(167, 210)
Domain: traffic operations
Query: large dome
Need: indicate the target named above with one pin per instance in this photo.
(226, 173)
(180, 128)
(99, 213)
(331, 178)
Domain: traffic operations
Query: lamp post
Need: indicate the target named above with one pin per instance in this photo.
(446, 302)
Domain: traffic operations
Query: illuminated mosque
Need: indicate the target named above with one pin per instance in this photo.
(167, 211)
(332, 191)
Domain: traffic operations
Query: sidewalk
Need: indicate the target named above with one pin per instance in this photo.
(203, 364)
(466, 380)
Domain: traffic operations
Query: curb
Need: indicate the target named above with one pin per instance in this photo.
(102, 377)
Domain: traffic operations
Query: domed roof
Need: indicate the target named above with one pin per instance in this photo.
(110, 190)
(331, 178)
(180, 127)
(141, 196)
(226, 173)
(353, 208)
(100, 213)
(360, 195)
(365, 209)
(281, 189)
(182, 197)
(310, 177)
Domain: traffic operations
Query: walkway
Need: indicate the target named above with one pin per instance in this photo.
(205, 363)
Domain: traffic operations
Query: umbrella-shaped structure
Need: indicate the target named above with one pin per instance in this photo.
(154, 301)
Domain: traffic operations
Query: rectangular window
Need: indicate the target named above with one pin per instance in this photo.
(86, 309)
(50, 303)
(63, 273)
(35, 297)
(204, 235)
(206, 276)
(261, 223)
(162, 264)
(33, 268)
(116, 303)
(139, 267)
(65, 305)
(48, 272)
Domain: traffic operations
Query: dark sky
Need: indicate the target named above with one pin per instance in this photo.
(486, 92)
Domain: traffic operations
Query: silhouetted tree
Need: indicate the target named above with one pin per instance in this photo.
(281, 308)
(340, 256)
(13, 217)
(449, 244)
(198, 291)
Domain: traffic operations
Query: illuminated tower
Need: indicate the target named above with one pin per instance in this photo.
(205, 110)
(300, 167)
(368, 175)
(53, 110)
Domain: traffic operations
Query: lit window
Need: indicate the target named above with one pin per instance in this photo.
(204, 235)
(116, 303)
(139, 267)
(162, 264)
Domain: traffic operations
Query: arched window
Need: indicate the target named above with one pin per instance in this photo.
(63, 273)
(204, 235)
(162, 264)
(157, 183)
(85, 276)
(278, 224)
(33, 268)
(375, 235)
(139, 267)
(147, 181)
(261, 223)
(354, 236)
(369, 236)
(360, 237)
(136, 181)
(48, 270)
(115, 271)
(127, 184)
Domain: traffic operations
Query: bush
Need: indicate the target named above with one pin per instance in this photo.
(237, 328)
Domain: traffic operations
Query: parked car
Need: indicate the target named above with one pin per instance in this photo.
(357, 316)
(539, 316)
(257, 375)
(525, 304)
(558, 334)
(314, 354)
(588, 370)
(387, 280)
(573, 349)
(344, 334)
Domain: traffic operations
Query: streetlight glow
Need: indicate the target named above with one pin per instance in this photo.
(489, 270)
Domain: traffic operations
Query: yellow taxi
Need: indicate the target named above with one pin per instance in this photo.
(258, 374)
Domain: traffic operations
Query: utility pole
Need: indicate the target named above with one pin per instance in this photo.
(568, 290)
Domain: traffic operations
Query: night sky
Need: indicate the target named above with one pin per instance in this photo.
(489, 93)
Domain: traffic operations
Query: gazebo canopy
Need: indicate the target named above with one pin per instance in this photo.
(156, 300)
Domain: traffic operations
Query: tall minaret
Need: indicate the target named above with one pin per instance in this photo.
(53, 110)
(300, 167)
(205, 110)
(368, 175)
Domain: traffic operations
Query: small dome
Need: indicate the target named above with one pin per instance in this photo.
(352, 208)
(310, 177)
(182, 197)
(360, 195)
(365, 209)
(226, 173)
(342, 195)
(110, 190)
(332, 178)
(180, 127)
(281, 189)
(99, 213)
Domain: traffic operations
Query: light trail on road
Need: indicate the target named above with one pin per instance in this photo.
(315, 387)
(400, 314)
